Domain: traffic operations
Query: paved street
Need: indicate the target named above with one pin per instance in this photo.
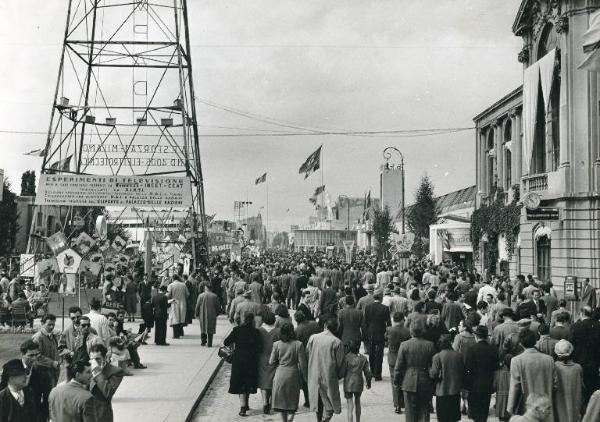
(218, 405)
(176, 375)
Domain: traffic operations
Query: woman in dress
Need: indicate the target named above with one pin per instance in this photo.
(131, 298)
(569, 376)
(269, 334)
(244, 367)
(289, 357)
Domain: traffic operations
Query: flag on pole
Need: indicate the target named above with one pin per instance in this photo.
(313, 200)
(312, 163)
(318, 191)
(39, 152)
(261, 179)
(64, 164)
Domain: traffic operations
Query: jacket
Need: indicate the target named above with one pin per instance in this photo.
(481, 360)
(413, 363)
(71, 402)
(447, 371)
(103, 387)
(396, 335)
(377, 318)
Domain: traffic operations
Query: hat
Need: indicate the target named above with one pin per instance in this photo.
(481, 331)
(524, 322)
(563, 348)
(13, 368)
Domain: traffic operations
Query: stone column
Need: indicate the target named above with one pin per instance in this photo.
(499, 159)
(515, 117)
(481, 170)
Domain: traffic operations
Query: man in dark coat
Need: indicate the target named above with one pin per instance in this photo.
(396, 335)
(40, 376)
(293, 293)
(328, 302)
(377, 318)
(160, 305)
(411, 373)
(481, 360)
(350, 322)
(106, 378)
(585, 337)
(16, 401)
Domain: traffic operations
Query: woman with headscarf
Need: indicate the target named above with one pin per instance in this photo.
(569, 384)
(244, 367)
(269, 334)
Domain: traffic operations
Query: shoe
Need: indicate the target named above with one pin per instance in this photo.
(162, 344)
(242, 411)
(127, 373)
(246, 408)
(144, 343)
(140, 366)
(203, 344)
(306, 404)
(266, 409)
(397, 410)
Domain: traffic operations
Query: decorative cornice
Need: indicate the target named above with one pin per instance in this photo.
(523, 56)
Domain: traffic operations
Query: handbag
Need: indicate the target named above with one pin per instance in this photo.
(226, 353)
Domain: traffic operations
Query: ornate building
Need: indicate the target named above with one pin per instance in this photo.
(542, 142)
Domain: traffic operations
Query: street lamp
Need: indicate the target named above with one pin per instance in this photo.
(387, 155)
(348, 207)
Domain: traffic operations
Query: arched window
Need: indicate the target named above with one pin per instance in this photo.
(546, 145)
(507, 155)
(543, 248)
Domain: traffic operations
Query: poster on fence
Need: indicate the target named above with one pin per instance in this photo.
(126, 191)
(27, 264)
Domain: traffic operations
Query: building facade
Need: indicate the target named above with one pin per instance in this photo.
(540, 144)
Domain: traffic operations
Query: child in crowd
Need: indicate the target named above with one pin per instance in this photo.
(356, 365)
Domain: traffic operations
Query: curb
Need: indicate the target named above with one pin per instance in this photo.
(204, 391)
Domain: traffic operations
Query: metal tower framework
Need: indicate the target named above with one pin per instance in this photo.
(124, 99)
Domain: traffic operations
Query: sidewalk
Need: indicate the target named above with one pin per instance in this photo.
(175, 377)
(218, 405)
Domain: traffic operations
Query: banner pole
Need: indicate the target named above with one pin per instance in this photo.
(267, 225)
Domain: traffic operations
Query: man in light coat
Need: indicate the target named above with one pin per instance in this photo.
(325, 369)
(99, 322)
(178, 292)
(207, 310)
(531, 372)
(71, 401)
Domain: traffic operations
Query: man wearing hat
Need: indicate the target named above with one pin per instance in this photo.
(505, 330)
(16, 403)
(160, 305)
(239, 298)
(366, 300)
(248, 306)
(377, 319)
(481, 360)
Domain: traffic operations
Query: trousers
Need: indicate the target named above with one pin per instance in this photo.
(204, 337)
(376, 357)
(160, 331)
(417, 406)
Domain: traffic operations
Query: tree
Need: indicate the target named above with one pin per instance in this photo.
(421, 215)
(383, 227)
(28, 183)
(8, 220)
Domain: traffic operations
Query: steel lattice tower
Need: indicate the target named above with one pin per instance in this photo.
(124, 99)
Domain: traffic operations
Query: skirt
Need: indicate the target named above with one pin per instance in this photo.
(286, 389)
(447, 408)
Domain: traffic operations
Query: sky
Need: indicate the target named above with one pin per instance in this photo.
(333, 66)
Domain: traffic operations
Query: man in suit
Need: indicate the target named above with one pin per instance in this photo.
(328, 301)
(145, 292)
(531, 372)
(106, 378)
(481, 360)
(41, 378)
(178, 292)
(16, 402)
(585, 337)
(588, 294)
(411, 373)
(351, 321)
(160, 305)
(377, 318)
(71, 401)
(396, 335)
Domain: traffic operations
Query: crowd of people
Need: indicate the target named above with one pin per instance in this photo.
(457, 342)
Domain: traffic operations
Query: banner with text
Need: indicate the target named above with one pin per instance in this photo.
(93, 191)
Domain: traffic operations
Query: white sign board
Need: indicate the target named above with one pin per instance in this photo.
(27, 265)
(68, 261)
(100, 191)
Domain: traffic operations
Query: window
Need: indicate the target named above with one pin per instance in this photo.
(507, 156)
(490, 162)
(542, 255)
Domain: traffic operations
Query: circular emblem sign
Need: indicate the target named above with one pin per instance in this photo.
(532, 201)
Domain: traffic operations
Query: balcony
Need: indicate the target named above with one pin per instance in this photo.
(535, 183)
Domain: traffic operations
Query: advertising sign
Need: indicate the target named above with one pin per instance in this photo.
(101, 191)
(27, 264)
(544, 214)
(68, 261)
(84, 243)
(57, 243)
(571, 288)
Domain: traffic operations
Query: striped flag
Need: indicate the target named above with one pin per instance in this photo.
(319, 191)
(312, 163)
(39, 152)
(261, 179)
(62, 165)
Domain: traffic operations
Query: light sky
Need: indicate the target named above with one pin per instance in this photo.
(351, 65)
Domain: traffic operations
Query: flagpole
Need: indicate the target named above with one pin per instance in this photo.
(322, 184)
(267, 225)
